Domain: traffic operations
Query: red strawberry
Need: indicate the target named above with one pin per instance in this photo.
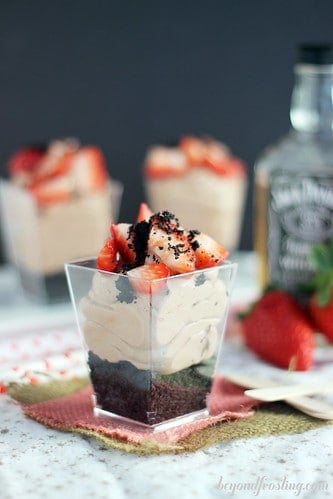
(321, 302)
(194, 149)
(24, 160)
(322, 315)
(123, 236)
(277, 330)
(231, 166)
(52, 167)
(208, 252)
(107, 257)
(89, 170)
(164, 162)
(55, 190)
(171, 246)
(216, 152)
(144, 213)
(143, 278)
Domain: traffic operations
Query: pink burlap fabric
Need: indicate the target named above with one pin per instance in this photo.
(74, 412)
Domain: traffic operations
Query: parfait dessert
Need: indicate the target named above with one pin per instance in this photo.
(56, 206)
(151, 310)
(202, 182)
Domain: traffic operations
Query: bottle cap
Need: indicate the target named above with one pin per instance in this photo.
(318, 54)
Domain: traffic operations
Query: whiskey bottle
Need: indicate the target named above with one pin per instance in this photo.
(293, 195)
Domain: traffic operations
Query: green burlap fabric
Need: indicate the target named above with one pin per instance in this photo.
(273, 419)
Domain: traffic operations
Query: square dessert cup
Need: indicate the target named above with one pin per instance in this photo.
(38, 240)
(152, 346)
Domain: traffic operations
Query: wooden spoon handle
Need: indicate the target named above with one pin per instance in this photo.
(282, 392)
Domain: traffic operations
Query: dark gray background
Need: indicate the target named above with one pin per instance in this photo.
(126, 74)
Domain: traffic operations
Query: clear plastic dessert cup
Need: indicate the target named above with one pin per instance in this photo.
(152, 346)
(38, 240)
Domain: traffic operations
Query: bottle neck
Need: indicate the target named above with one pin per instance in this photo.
(311, 109)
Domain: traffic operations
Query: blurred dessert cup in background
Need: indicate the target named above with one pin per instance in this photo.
(202, 182)
(55, 206)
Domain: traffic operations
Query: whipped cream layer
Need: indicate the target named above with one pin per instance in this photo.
(165, 332)
(42, 239)
(203, 200)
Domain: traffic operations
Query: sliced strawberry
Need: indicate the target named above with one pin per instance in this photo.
(194, 149)
(89, 170)
(172, 248)
(143, 278)
(144, 213)
(51, 167)
(123, 235)
(55, 190)
(216, 151)
(107, 257)
(164, 162)
(24, 160)
(231, 166)
(208, 252)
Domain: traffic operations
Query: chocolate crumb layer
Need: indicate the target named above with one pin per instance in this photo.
(134, 393)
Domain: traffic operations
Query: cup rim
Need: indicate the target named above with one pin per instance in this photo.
(87, 264)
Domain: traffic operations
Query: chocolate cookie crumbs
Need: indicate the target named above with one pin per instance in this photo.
(134, 393)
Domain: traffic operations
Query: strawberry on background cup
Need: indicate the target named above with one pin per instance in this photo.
(202, 182)
(56, 206)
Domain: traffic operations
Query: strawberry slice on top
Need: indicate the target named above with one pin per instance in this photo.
(173, 248)
(231, 167)
(107, 257)
(165, 162)
(123, 235)
(52, 166)
(25, 160)
(194, 149)
(144, 213)
(54, 190)
(208, 252)
(145, 278)
(89, 170)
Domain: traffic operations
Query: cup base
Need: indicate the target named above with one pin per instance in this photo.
(153, 428)
(44, 288)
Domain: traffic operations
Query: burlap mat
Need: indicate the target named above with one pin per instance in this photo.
(66, 405)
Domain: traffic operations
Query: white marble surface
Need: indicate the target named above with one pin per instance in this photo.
(37, 462)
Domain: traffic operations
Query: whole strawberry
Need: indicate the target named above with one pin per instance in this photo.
(277, 330)
(321, 301)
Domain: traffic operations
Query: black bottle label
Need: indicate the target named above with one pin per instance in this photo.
(300, 214)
